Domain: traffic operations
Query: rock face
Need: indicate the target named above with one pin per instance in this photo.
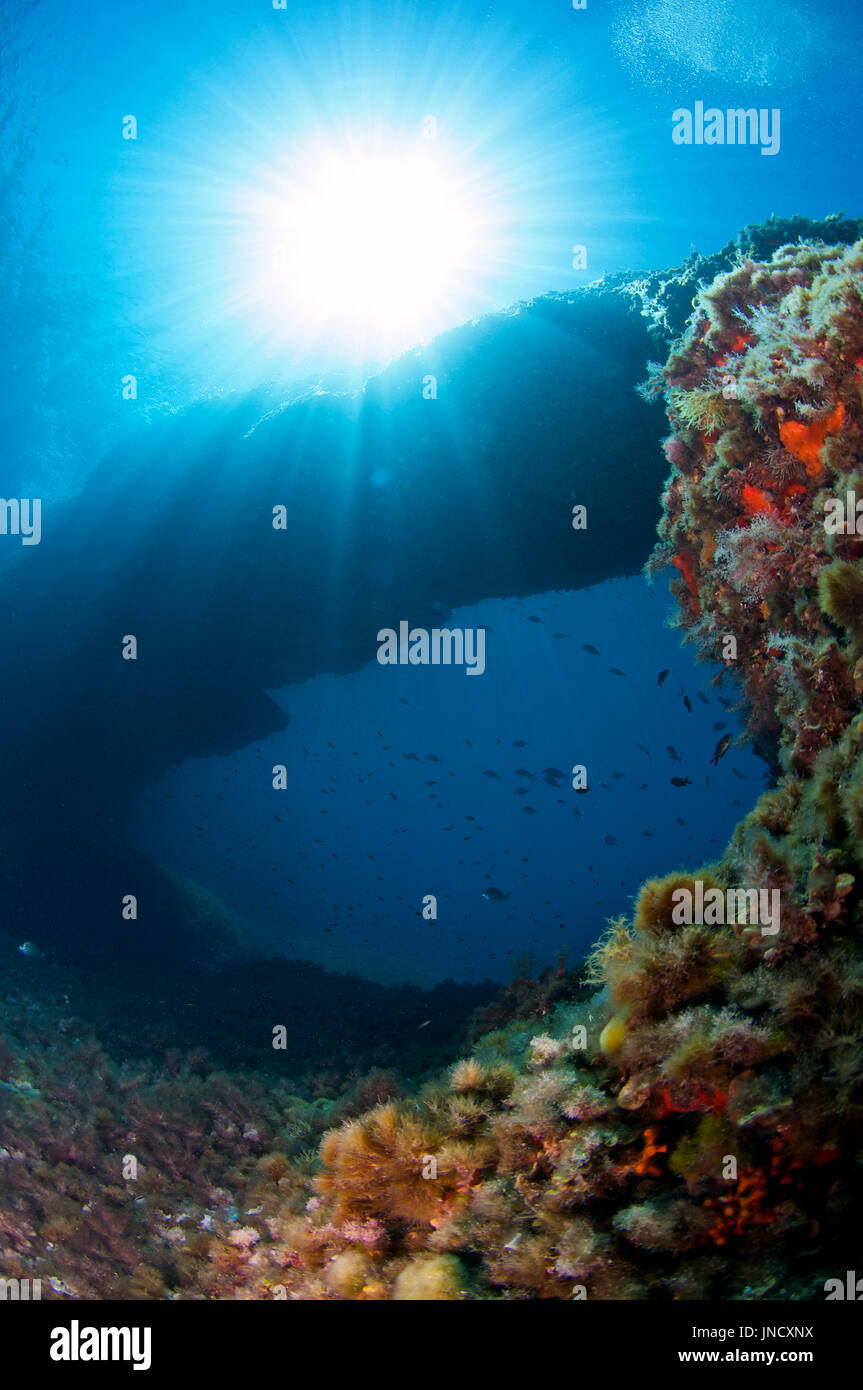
(396, 506)
(692, 1129)
(764, 393)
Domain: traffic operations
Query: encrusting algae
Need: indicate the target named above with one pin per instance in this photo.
(684, 1122)
(690, 1130)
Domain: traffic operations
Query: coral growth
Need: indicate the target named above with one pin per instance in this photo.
(764, 396)
(688, 1130)
(682, 1119)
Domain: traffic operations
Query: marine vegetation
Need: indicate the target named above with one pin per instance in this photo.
(680, 1119)
(691, 1129)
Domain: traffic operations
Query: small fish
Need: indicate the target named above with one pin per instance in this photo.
(489, 772)
(609, 840)
(403, 701)
(688, 703)
(673, 753)
(720, 724)
(721, 749)
(27, 948)
(494, 895)
(594, 651)
(663, 676)
(702, 697)
(642, 747)
(615, 671)
(681, 781)
(519, 743)
(424, 1025)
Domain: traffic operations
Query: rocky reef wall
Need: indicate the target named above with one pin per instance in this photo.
(692, 1129)
(398, 503)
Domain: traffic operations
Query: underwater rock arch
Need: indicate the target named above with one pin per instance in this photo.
(692, 1130)
(396, 506)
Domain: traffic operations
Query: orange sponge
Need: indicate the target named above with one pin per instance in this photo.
(805, 441)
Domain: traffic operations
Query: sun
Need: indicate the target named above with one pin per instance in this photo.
(376, 243)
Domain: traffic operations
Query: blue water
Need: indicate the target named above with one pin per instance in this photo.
(126, 256)
(332, 869)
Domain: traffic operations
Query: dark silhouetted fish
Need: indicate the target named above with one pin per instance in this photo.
(663, 676)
